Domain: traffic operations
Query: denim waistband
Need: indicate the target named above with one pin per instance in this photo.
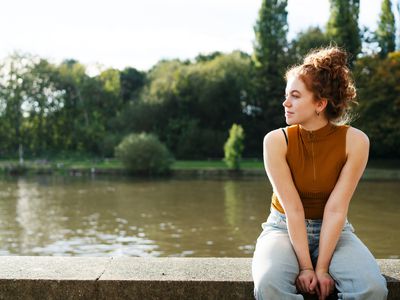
(283, 216)
(312, 225)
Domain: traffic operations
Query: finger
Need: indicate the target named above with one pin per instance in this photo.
(303, 286)
(298, 285)
(319, 292)
(323, 291)
(313, 283)
(322, 295)
(307, 285)
(327, 289)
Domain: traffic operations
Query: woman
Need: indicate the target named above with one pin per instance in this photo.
(307, 245)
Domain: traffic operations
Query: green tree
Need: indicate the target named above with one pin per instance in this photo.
(386, 32)
(14, 99)
(44, 101)
(343, 27)
(264, 110)
(74, 117)
(311, 38)
(270, 62)
(270, 30)
(234, 146)
(132, 82)
(379, 105)
(89, 104)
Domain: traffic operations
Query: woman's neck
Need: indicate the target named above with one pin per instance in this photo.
(317, 124)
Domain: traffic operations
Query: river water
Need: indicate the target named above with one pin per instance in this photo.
(86, 216)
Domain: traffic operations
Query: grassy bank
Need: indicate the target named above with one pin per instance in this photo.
(65, 164)
(376, 169)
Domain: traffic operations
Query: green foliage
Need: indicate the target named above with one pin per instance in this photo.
(342, 25)
(386, 32)
(271, 29)
(306, 40)
(378, 89)
(132, 82)
(270, 63)
(162, 81)
(144, 154)
(110, 80)
(234, 146)
(58, 109)
(207, 57)
(191, 106)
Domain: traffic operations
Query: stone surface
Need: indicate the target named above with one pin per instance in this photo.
(51, 267)
(179, 269)
(139, 278)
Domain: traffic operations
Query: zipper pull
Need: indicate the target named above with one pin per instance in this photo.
(311, 135)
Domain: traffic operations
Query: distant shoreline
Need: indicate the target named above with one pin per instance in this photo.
(180, 169)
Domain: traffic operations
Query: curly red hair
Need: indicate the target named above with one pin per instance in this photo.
(325, 73)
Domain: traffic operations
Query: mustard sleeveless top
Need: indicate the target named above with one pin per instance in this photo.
(315, 159)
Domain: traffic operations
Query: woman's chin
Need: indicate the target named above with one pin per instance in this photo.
(290, 121)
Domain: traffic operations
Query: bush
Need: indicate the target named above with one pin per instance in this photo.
(233, 147)
(144, 154)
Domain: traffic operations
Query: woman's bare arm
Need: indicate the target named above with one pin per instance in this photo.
(335, 212)
(280, 177)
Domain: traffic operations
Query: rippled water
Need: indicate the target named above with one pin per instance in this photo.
(104, 217)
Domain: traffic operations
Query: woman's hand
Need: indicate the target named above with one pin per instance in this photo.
(306, 281)
(326, 284)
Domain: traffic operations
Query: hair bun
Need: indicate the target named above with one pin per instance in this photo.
(330, 59)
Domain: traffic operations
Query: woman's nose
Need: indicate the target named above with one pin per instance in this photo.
(286, 103)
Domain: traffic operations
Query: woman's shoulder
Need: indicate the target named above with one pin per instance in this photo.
(357, 134)
(276, 138)
(356, 139)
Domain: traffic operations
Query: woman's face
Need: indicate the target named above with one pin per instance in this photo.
(300, 107)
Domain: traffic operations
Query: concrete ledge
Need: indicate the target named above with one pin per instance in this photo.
(23, 277)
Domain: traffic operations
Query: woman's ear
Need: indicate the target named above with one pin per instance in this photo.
(322, 103)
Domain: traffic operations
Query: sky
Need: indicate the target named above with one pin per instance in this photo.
(139, 33)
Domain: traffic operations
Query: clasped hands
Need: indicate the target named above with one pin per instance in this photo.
(318, 281)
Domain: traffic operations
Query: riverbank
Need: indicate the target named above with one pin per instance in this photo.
(376, 170)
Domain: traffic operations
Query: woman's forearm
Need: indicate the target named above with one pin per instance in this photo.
(298, 236)
(332, 226)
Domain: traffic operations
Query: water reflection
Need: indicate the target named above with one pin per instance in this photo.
(232, 203)
(70, 219)
(103, 217)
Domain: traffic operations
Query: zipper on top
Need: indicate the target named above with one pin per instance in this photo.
(312, 153)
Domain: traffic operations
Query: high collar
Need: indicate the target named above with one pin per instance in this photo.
(321, 133)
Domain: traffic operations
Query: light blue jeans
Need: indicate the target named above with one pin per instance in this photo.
(275, 267)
